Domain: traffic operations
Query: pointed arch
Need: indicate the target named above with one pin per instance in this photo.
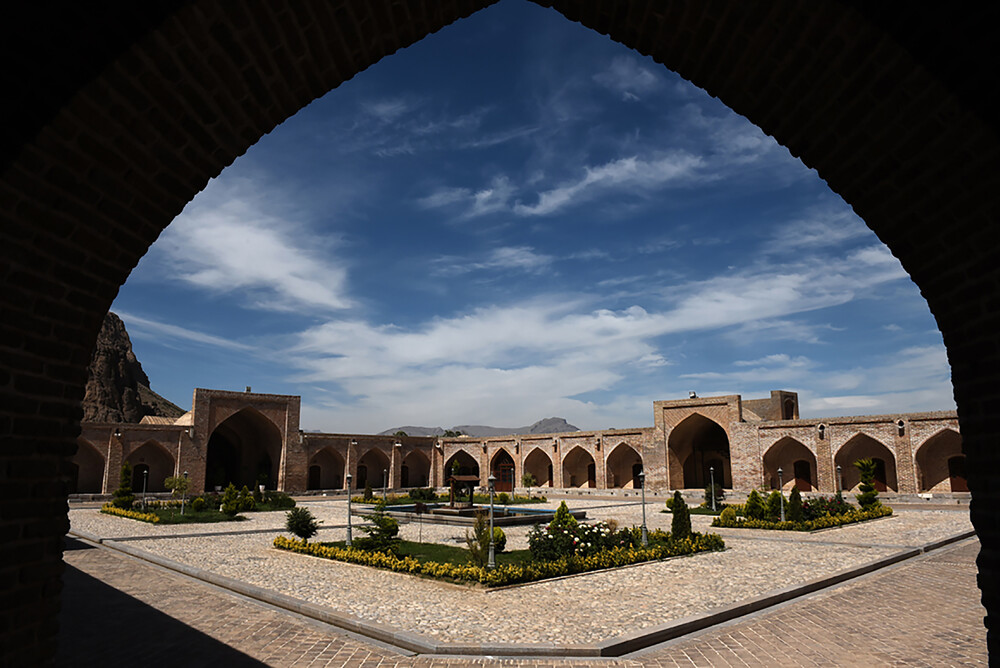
(467, 464)
(539, 465)
(797, 464)
(863, 446)
(373, 468)
(623, 465)
(941, 463)
(326, 470)
(579, 469)
(415, 470)
(502, 468)
(244, 449)
(156, 461)
(693, 446)
(87, 469)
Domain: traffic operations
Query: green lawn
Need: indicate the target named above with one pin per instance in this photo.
(698, 510)
(448, 554)
(173, 516)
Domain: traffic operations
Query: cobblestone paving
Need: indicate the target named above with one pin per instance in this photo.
(924, 612)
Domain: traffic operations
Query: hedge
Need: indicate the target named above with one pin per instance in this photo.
(507, 574)
(108, 509)
(850, 517)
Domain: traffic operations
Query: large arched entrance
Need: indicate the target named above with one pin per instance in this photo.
(797, 464)
(863, 446)
(579, 469)
(539, 465)
(79, 219)
(88, 470)
(695, 446)
(373, 469)
(415, 471)
(502, 469)
(941, 464)
(245, 449)
(461, 463)
(153, 459)
(623, 467)
(326, 470)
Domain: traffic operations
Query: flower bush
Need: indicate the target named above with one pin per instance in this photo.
(109, 509)
(731, 521)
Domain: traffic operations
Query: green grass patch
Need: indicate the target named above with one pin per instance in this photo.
(446, 554)
(698, 510)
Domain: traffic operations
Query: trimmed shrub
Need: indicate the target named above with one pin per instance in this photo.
(773, 510)
(868, 497)
(123, 497)
(503, 498)
(754, 507)
(369, 495)
(824, 522)
(680, 526)
(230, 501)
(383, 534)
(110, 509)
(198, 504)
(278, 500)
(300, 522)
(245, 503)
(562, 518)
(499, 540)
(478, 541)
(423, 494)
(728, 516)
(794, 510)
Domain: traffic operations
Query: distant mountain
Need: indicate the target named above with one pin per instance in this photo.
(550, 425)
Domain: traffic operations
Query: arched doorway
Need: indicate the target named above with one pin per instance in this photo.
(245, 450)
(416, 470)
(539, 465)
(694, 446)
(579, 469)
(153, 458)
(863, 446)
(502, 468)
(88, 469)
(940, 463)
(373, 469)
(797, 464)
(326, 470)
(623, 467)
(467, 465)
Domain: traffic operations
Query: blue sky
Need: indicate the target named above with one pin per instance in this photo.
(518, 218)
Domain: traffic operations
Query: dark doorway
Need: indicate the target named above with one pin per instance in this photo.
(503, 471)
(803, 475)
(314, 477)
(956, 472)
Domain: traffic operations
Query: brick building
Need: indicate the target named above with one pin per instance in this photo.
(250, 438)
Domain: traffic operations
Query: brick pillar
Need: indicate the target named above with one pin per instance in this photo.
(906, 474)
(826, 472)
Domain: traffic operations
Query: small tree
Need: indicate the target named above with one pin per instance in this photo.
(300, 522)
(528, 480)
(178, 485)
(246, 502)
(754, 508)
(478, 541)
(774, 505)
(382, 533)
(123, 497)
(680, 527)
(794, 510)
(868, 498)
(368, 491)
(562, 518)
(230, 501)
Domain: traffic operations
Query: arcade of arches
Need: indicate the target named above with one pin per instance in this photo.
(140, 108)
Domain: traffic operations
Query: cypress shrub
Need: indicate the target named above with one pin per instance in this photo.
(754, 507)
(774, 505)
(123, 497)
(230, 502)
(794, 510)
(869, 495)
(680, 527)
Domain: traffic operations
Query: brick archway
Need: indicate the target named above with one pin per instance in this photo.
(119, 117)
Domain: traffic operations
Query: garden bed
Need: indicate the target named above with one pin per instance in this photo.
(852, 516)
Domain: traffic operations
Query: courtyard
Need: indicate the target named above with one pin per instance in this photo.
(584, 615)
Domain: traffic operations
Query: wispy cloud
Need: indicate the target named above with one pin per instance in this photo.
(472, 203)
(627, 77)
(508, 258)
(156, 330)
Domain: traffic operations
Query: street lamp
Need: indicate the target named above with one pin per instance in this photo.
(491, 564)
(145, 480)
(711, 475)
(184, 492)
(840, 479)
(385, 484)
(781, 491)
(642, 484)
(349, 477)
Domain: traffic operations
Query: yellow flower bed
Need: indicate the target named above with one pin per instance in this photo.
(506, 574)
(108, 509)
(827, 521)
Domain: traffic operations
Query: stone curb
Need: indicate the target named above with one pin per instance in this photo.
(619, 646)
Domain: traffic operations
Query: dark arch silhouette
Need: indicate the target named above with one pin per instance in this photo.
(415, 470)
(326, 470)
(623, 466)
(153, 458)
(539, 465)
(940, 463)
(502, 468)
(129, 113)
(698, 449)
(467, 464)
(796, 461)
(245, 450)
(579, 469)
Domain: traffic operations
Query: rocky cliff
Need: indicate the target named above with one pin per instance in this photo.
(117, 387)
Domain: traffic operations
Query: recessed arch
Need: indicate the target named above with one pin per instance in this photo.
(623, 465)
(326, 470)
(797, 464)
(698, 449)
(155, 459)
(941, 463)
(539, 465)
(415, 470)
(907, 174)
(373, 469)
(88, 469)
(467, 464)
(863, 446)
(579, 469)
(245, 450)
(502, 468)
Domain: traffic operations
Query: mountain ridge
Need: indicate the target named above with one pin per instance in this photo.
(550, 425)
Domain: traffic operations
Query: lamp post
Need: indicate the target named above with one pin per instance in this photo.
(642, 484)
(711, 475)
(385, 484)
(349, 477)
(145, 480)
(491, 564)
(840, 479)
(781, 491)
(184, 492)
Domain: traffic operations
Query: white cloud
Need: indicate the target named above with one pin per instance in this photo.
(508, 258)
(244, 239)
(470, 203)
(627, 77)
(155, 330)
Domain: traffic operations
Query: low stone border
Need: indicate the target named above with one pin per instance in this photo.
(620, 645)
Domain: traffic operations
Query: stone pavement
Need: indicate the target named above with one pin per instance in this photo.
(922, 612)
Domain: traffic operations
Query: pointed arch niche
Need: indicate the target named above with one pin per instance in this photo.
(87, 469)
(863, 446)
(693, 446)
(415, 471)
(579, 469)
(153, 458)
(797, 464)
(539, 465)
(326, 470)
(244, 448)
(623, 467)
(941, 463)
(467, 464)
(502, 468)
(373, 469)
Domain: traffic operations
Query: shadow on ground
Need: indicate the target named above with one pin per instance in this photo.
(99, 625)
